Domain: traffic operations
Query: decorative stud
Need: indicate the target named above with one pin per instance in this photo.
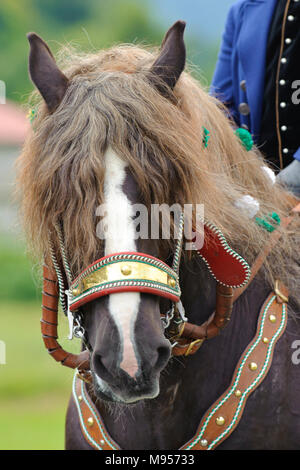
(204, 443)
(102, 442)
(220, 420)
(272, 318)
(126, 270)
(80, 398)
(172, 282)
(75, 292)
(90, 421)
(265, 340)
(252, 366)
(238, 393)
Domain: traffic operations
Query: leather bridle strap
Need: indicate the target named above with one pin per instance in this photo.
(49, 323)
(192, 335)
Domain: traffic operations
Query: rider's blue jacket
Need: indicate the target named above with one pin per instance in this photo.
(240, 72)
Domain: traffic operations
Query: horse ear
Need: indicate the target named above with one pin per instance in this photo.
(44, 73)
(171, 61)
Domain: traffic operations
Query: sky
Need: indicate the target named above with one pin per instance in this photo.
(203, 17)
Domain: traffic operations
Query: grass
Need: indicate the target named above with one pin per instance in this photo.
(34, 389)
(18, 279)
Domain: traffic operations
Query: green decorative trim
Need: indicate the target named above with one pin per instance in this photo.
(125, 283)
(125, 257)
(245, 138)
(206, 136)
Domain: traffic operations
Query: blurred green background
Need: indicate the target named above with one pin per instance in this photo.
(34, 390)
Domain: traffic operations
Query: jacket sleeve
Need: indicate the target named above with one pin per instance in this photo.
(222, 83)
(297, 154)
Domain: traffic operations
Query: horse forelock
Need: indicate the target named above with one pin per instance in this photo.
(111, 103)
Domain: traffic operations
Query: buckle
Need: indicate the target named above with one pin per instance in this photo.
(279, 294)
(190, 349)
(85, 376)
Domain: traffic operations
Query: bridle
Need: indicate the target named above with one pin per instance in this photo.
(138, 272)
(230, 270)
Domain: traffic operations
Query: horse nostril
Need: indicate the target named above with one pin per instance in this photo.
(163, 355)
(100, 367)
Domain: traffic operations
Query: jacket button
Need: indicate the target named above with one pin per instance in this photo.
(244, 109)
(243, 85)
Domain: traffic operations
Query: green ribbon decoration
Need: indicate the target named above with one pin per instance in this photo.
(206, 136)
(270, 227)
(245, 138)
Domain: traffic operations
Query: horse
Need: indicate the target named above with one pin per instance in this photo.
(129, 127)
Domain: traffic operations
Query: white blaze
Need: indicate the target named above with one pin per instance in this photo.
(120, 236)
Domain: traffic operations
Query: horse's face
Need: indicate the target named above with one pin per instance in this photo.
(124, 330)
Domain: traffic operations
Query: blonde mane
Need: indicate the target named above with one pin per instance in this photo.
(112, 102)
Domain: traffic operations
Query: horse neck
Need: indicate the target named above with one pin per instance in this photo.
(188, 385)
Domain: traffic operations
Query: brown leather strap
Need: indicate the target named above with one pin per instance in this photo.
(49, 324)
(91, 423)
(225, 414)
(194, 334)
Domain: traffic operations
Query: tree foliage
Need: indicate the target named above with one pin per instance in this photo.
(90, 24)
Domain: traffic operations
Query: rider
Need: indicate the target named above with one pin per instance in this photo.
(257, 78)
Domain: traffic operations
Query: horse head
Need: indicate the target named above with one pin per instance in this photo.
(123, 329)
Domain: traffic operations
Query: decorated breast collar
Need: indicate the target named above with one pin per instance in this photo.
(224, 415)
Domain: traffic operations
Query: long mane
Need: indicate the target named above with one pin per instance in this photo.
(112, 102)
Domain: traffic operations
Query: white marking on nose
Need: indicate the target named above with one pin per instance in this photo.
(120, 236)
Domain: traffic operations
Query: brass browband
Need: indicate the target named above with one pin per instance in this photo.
(135, 271)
